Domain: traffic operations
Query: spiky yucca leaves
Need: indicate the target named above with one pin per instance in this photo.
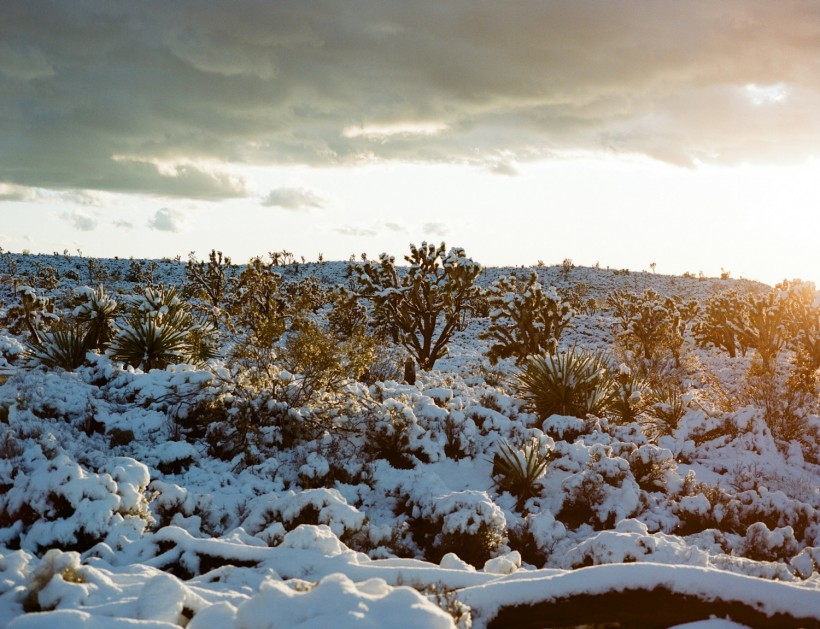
(63, 347)
(97, 315)
(162, 331)
(628, 399)
(575, 382)
(524, 319)
(665, 409)
(518, 470)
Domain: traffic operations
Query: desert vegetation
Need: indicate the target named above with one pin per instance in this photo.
(194, 417)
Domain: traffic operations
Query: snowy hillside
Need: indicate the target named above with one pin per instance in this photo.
(277, 466)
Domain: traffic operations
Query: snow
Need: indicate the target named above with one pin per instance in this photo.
(113, 515)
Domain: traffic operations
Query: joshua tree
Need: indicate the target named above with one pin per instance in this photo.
(422, 308)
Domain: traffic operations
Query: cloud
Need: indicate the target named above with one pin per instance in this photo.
(17, 193)
(80, 220)
(123, 224)
(200, 88)
(435, 229)
(166, 220)
(395, 227)
(24, 63)
(350, 230)
(293, 199)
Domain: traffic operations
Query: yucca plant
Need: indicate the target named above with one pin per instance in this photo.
(162, 331)
(575, 383)
(666, 408)
(98, 315)
(628, 399)
(63, 347)
(517, 470)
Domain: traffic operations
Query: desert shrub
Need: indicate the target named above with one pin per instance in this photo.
(269, 518)
(467, 523)
(347, 314)
(390, 433)
(322, 362)
(524, 319)
(161, 330)
(45, 276)
(574, 383)
(786, 405)
(762, 544)
(422, 308)
(208, 281)
(602, 493)
(256, 305)
(519, 470)
(650, 466)
(55, 565)
(577, 296)
(304, 296)
(64, 347)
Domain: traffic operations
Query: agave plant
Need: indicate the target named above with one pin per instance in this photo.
(575, 383)
(517, 470)
(64, 347)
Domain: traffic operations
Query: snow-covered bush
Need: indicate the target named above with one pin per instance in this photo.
(41, 594)
(524, 319)
(59, 503)
(467, 523)
(603, 492)
(270, 517)
(392, 433)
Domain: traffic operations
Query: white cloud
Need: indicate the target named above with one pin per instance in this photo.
(350, 230)
(293, 199)
(10, 192)
(123, 224)
(395, 227)
(80, 220)
(435, 229)
(167, 220)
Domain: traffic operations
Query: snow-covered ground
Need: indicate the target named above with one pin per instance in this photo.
(117, 510)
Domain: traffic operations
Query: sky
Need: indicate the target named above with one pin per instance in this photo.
(684, 134)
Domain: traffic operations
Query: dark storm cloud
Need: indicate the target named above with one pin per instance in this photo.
(153, 96)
